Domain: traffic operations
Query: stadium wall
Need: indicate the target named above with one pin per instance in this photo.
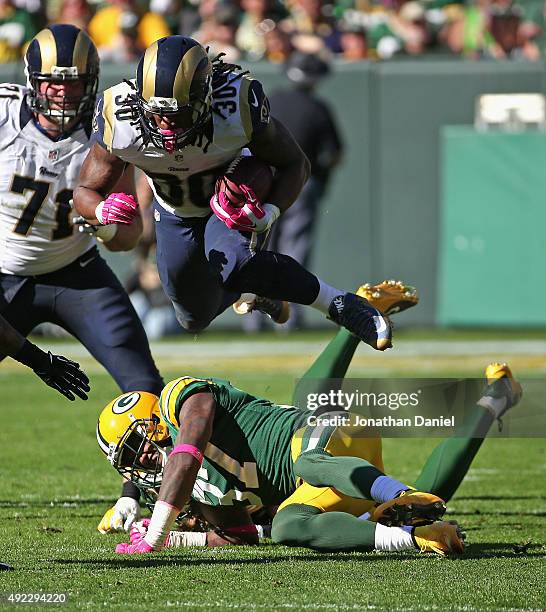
(381, 216)
(493, 217)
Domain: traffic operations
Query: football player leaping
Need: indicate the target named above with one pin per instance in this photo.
(182, 121)
(233, 450)
(48, 270)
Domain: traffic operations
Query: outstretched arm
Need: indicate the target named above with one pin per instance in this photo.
(56, 371)
(229, 525)
(232, 525)
(11, 341)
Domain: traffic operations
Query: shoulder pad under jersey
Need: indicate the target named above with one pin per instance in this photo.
(254, 106)
(11, 96)
(180, 388)
(113, 120)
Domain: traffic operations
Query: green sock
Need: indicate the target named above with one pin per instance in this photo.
(302, 525)
(351, 476)
(449, 462)
(333, 362)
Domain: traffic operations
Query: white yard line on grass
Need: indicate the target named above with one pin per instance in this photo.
(246, 348)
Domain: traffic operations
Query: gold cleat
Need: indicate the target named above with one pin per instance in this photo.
(496, 371)
(277, 310)
(502, 392)
(390, 296)
(409, 508)
(442, 538)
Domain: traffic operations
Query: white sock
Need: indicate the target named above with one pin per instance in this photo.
(393, 539)
(495, 405)
(325, 296)
(385, 488)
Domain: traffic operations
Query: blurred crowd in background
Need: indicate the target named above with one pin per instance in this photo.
(271, 30)
(302, 36)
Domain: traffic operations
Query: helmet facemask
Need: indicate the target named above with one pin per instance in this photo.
(144, 437)
(195, 115)
(64, 111)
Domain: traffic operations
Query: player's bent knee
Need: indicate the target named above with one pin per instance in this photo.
(312, 467)
(188, 321)
(289, 525)
(282, 530)
(193, 326)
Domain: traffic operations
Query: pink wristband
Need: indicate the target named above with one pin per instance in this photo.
(187, 448)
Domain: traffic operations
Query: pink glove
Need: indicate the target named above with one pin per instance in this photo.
(117, 208)
(252, 217)
(223, 208)
(139, 530)
(140, 547)
(138, 544)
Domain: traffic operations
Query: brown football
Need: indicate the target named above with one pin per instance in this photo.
(249, 171)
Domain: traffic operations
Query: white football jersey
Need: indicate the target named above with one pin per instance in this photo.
(37, 176)
(183, 182)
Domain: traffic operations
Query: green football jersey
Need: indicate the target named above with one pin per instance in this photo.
(248, 459)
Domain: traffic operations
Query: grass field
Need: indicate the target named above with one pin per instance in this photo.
(56, 484)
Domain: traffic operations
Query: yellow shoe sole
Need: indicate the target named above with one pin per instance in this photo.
(413, 508)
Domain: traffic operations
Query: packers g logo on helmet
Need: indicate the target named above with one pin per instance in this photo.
(130, 428)
(174, 80)
(62, 53)
(125, 403)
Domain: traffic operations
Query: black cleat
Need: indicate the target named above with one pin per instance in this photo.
(356, 315)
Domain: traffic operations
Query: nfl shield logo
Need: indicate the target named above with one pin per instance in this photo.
(53, 155)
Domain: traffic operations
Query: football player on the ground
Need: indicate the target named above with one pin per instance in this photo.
(233, 449)
(182, 121)
(49, 271)
(56, 371)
